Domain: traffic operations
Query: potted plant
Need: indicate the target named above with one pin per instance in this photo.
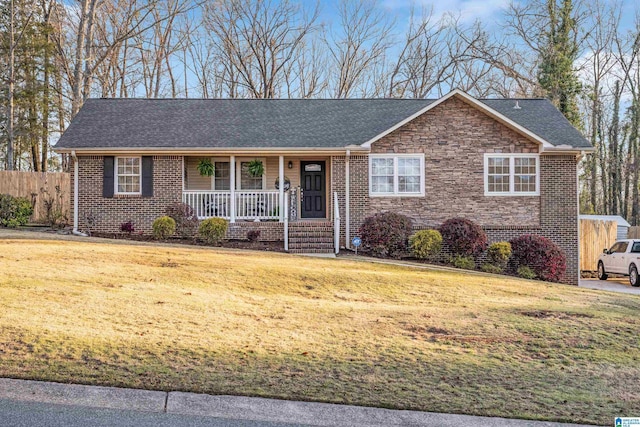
(255, 168)
(205, 167)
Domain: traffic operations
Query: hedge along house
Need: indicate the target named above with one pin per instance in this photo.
(509, 165)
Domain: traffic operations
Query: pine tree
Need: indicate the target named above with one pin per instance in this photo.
(556, 73)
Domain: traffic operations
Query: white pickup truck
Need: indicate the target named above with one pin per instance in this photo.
(623, 258)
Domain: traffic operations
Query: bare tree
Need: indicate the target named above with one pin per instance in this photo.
(357, 45)
(257, 41)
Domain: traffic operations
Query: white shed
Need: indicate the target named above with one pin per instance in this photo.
(623, 225)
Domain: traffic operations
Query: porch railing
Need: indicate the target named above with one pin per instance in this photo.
(248, 204)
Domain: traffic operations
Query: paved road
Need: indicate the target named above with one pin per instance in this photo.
(36, 404)
(620, 284)
(36, 414)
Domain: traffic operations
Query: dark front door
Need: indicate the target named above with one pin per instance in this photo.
(314, 195)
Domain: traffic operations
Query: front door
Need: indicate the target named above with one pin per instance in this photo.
(314, 195)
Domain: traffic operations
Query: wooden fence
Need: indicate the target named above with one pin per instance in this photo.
(634, 233)
(595, 235)
(40, 188)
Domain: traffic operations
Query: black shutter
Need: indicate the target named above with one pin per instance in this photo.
(107, 177)
(147, 176)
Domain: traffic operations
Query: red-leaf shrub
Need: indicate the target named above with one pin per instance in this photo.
(253, 235)
(540, 254)
(127, 227)
(385, 234)
(464, 237)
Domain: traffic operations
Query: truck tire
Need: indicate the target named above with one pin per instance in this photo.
(633, 276)
(602, 275)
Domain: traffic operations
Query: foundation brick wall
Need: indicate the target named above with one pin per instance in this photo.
(454, 138)
(269, 231)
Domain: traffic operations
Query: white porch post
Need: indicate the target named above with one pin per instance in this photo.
(347, 196)
(232, 187)
(281, 188)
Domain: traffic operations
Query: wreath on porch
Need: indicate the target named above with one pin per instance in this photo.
(287, 183)
(205, 167)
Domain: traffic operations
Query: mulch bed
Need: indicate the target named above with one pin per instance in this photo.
(234, 244)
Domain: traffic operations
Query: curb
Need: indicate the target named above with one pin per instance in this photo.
(242, 408)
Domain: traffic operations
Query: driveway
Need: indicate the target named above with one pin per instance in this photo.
(616, 284)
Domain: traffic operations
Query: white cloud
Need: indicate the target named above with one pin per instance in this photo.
(468, 10)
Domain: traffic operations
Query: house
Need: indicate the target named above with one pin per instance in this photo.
(623, 225)
(509, 165)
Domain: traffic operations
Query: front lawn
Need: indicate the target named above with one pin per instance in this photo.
(259, 324)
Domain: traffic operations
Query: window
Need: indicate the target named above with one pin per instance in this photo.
(247, 182)
(399, 175)
(127, 175)
(221, 176)
(619, 247)
(636, 247)
(511, 175)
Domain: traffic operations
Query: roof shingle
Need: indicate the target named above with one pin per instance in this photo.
(273, 123)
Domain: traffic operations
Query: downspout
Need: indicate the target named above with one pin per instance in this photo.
(582, 154)
(75, 195)
(347, 218)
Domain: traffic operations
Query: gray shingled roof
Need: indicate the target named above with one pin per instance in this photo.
(225, 123)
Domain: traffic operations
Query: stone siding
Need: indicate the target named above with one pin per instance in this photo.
(454, 138)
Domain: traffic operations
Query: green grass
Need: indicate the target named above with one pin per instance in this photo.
(259, 324)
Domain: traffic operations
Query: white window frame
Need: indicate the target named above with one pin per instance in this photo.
(215, 160)
(239, 161)
(395, 158)
(116, 175)
(512, 173)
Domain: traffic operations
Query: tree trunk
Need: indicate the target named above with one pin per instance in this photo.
(12, 48)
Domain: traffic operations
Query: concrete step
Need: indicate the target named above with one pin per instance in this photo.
(311, 245)
(310, 251)
(294, 240)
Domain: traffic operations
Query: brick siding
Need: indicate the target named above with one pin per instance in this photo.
(109, 213)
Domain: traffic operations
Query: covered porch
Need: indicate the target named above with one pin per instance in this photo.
(247, 188)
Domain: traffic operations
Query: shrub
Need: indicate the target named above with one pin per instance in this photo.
(212, 230)
(127, 227)
(541, 255)
(465, 262)
(463, 237)
(56, 214)
(526, 273)
(185, 218)
(491, 268)
(164, 227)
(385, 234)
(426, 244)
(499, 254)
(253, 235)
(14, 211)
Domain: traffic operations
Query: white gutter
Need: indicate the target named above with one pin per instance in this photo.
(347, 219)
(75, 195)
(211, 150)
